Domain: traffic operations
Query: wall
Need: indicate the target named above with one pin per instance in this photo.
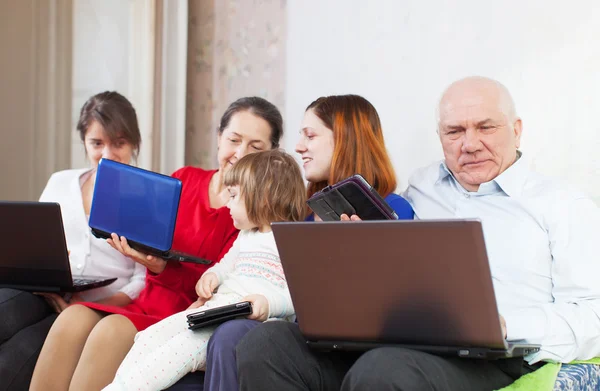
(401, 55)
(101, 52)
(113, 49)
(235, 49)
(35, 94)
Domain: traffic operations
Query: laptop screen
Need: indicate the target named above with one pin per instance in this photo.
(32, 236)
(138, 204)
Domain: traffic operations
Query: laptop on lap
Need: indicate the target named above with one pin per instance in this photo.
(423, 285)
(140, 205)
(34, 250)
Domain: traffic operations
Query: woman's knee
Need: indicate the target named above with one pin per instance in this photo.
(81, 312)
(113, 329)
(75, 321)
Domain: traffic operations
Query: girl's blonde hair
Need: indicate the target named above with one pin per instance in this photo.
(272, 186)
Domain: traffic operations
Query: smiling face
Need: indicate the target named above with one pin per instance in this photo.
(479, 131)
(246, 133)
(98, 145)
(316, 146)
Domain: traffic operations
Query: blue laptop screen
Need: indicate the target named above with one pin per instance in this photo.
(138, 204)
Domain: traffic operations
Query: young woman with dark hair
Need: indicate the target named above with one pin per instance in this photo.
(108, 128)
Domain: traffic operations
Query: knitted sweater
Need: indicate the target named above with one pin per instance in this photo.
(252, 266)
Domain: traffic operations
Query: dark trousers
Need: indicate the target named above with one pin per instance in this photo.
(275, 356)
(25, 320)
(221, 368)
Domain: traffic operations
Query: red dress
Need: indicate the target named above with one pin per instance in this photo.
(200, 230)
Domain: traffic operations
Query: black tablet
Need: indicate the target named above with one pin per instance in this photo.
(352, 196)
(218, 315)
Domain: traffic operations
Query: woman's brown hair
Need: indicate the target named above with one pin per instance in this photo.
(359, 147)
(261, 108)
(115, 114)
(272, 186)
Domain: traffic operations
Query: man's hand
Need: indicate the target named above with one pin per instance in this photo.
(260, 307)
(155, 264)
(207, 285)
(58, 303)
(344, 217)
(503, 324)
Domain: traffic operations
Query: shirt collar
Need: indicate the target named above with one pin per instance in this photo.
(444, 172)
(511, 181)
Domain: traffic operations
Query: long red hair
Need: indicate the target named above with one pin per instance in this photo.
(359, 147)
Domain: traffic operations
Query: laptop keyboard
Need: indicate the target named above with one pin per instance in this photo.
(84, 281)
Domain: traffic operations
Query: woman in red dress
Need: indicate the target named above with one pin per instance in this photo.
(88, 341)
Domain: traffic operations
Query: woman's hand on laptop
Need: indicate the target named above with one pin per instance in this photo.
(260, 307)
(58, 303)
(503, 324)
(206, 285)
(344, 217)
(155, 264)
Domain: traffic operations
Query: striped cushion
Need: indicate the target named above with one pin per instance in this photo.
(578, 377)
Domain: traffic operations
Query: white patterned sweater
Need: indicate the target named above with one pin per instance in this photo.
(252, 266)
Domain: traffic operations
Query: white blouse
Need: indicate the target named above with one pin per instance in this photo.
(90, 256)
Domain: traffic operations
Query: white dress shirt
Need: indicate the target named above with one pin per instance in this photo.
(90, 256)
(543, 244)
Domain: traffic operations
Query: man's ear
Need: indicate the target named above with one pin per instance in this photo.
(518, 129)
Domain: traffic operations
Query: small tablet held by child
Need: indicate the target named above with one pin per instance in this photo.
(218, 315)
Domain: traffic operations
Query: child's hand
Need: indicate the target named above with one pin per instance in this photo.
(207, 285)
(344, 217)
(197, 304)
(260, 307)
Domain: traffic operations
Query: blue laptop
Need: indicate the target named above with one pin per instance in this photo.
(140, 205)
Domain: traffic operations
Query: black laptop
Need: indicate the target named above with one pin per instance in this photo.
(423, 285)
(34, 253)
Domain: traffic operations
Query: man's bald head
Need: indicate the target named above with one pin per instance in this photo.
(479, 130)
(478, 87)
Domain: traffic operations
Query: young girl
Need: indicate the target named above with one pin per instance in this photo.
(264, 187)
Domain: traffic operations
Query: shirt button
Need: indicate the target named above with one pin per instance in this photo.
(466, 195)
(79, 266)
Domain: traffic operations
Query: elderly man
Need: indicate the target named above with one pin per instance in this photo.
(541, 241)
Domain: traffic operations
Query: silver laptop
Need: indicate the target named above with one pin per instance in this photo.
(423, 285)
